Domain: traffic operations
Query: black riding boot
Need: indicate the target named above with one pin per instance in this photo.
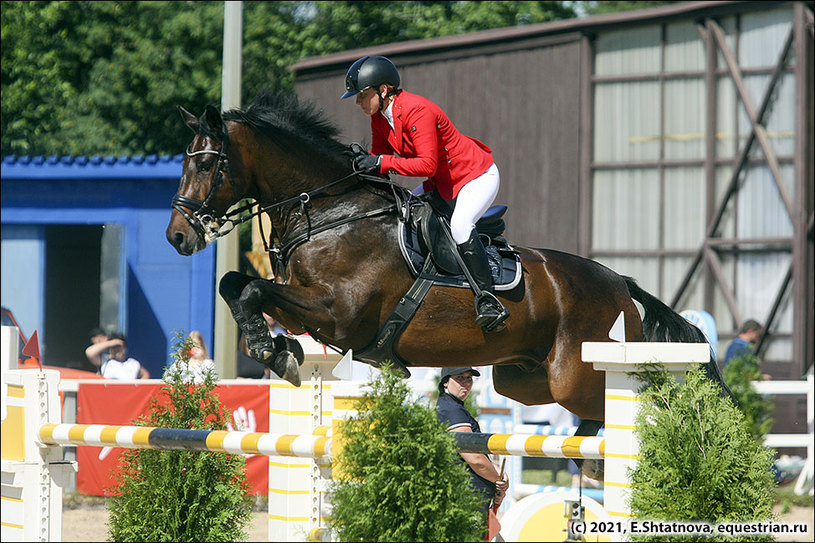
(490, 312)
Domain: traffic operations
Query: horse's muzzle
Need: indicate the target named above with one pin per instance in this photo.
(185, 241)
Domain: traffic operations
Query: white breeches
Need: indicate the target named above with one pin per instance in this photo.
(472, 201)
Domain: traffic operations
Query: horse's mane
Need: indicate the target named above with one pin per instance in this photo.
(279, 115)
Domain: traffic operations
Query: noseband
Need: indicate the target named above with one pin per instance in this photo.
(205, 219)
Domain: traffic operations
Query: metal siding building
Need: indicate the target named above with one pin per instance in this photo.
(673, 144)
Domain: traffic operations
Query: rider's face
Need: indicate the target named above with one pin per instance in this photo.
(368, 101)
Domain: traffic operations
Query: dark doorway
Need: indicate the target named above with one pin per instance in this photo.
(72, 294)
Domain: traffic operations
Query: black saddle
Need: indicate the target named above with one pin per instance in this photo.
(422, 236)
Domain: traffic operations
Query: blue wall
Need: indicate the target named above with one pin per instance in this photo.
(163, 291)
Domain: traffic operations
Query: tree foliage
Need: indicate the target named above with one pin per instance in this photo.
(698, 458)
(757, 409)
(614, 6)
(399, 476)
(165, 495)
(85, 78)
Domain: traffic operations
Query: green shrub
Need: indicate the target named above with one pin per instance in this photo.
(757, 409)
(402, 479)
(699, 460)
(181, 495)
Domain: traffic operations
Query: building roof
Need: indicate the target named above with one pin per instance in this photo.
(94, 167)
(406, 50)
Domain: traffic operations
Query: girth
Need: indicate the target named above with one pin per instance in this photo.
(381, 351)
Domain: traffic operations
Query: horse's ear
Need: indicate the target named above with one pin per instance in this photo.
(189, 119)
(215, 123)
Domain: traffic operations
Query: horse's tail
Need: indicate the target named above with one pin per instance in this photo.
(661, 323)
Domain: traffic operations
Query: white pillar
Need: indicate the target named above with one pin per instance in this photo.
(622, 404)
(33, 477)
(297, 486)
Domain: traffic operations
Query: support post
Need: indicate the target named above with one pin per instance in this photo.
(622, 404)
(33, 477)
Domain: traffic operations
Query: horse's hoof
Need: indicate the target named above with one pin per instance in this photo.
(288, 343)
(286, 366)
(593, 469)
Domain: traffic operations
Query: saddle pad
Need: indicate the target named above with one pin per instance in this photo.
(504, 262)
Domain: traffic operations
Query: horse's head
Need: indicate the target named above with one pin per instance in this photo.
(207, 189)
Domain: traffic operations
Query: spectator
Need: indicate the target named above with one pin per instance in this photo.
(454, 387)
(197, 365)
(110, 357)
(97, 335)
(745, 342)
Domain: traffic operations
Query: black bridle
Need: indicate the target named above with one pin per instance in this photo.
(210, 225)
(205, 219)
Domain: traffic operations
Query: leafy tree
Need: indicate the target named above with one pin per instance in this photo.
(757, 409)
(698, 458)
(401, 475)
(614, 6)
(165, 495)
(104, 77)
(85, 78)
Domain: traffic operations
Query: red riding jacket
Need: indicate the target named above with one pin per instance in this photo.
(427, 144)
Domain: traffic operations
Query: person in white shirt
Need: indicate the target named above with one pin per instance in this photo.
(116, 365)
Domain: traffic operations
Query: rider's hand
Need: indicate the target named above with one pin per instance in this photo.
(367, 164)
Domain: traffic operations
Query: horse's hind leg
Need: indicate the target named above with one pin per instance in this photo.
(282, 355)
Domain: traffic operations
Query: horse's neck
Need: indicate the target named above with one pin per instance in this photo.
(335, 207)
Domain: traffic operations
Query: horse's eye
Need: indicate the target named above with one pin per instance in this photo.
(205, 165)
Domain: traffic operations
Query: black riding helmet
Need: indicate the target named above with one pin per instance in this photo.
(370, 72)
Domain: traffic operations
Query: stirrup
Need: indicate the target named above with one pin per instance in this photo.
(490, 312)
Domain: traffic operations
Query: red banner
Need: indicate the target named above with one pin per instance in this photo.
(121, 403)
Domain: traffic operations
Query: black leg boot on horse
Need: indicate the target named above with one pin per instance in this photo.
(490, 312)
(279, 354)
(282, 355)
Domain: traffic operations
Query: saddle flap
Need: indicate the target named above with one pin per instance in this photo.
(434, 241)
(422, 236)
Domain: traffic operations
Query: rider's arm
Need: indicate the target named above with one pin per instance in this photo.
(418, 127)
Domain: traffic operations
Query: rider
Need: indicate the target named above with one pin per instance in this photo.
(412, 136)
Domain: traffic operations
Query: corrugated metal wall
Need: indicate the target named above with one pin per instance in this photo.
(618, 136)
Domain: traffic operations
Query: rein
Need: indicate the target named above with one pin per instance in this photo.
(279, 254)
(210, 226)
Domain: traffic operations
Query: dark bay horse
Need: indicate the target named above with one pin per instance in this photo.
(341, 273)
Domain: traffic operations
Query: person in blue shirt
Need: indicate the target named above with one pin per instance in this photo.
(745, 342)
(454, 387)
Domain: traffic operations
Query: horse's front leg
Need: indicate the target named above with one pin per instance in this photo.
(246, 296)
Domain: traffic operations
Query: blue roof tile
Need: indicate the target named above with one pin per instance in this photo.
(93, 167)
